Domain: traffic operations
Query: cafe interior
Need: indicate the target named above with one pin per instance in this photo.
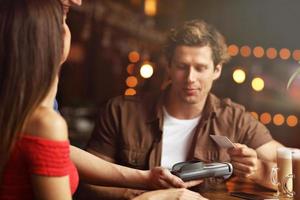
(117, 50)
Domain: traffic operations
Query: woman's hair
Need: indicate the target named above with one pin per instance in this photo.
(31, 37)
(198, 33)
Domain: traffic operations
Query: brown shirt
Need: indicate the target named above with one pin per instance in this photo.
(129, 130)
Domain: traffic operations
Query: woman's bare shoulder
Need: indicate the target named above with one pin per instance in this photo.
(48, 124)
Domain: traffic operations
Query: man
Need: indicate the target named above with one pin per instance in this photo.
(145, 131)
(165, 175)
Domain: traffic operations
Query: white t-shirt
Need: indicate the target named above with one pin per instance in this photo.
(176, 139)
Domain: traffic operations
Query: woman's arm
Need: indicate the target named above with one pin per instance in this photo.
(97, 171)
(51, 188)
(46, 124)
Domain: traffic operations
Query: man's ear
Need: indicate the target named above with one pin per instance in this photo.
(217, 71)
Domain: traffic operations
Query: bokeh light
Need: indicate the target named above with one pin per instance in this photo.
(131, 81)
(296, 55)
(245, 51)
(292, 121)
(278, 119)
(130, 69)
(271, 53)
(150, 7)
(258, 52)
(258, 84)
(284, 53)
(134, 56)
(146, 70)
(233, 50)
(265, 118)
(239, 76)
(130, 92)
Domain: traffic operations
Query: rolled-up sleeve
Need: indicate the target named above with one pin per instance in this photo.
(104, 137)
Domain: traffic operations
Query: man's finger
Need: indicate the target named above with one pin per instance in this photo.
(244, 160)
(242, 151)
(164, 184)
(239, 173)
(193, 183)
(243, 168)
(171, 180)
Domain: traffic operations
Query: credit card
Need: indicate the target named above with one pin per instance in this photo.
(222, 141)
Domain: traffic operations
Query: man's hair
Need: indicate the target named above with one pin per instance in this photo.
(31, 35)
(198, 33)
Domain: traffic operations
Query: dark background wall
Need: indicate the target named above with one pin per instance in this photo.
(105, 31)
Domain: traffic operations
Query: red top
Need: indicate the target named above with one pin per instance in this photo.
(35, 155)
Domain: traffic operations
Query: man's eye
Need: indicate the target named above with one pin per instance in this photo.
(201, 68)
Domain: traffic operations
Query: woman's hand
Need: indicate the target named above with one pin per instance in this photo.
(171, 194)
(162, 178)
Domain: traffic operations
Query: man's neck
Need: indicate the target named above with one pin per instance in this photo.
(182, 110)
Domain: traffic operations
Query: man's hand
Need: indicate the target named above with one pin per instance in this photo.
(244, 160)
(162, 178)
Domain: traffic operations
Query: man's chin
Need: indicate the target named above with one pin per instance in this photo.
(191, 100)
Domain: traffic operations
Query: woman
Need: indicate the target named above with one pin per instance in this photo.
(34, 149)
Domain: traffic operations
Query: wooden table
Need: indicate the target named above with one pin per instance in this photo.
(222, 191)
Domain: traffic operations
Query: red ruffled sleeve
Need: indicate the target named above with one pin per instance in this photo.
(46, 157)
(35, 155)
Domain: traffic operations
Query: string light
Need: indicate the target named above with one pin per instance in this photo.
(131, 81)
(284, 53)
(134, 56)
(150, 7)
(146, 70)
(233, 50)
(265, 118)
(245, 51)
(130, 69)
(296, 55)
(258, 52)
(239, 76)
(258, 84)
(292, 120)
(278, 119)
(271, 53)
(130, 92)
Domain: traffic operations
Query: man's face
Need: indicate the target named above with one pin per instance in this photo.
(192, 72)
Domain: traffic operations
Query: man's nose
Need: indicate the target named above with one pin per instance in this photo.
(191, 74)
